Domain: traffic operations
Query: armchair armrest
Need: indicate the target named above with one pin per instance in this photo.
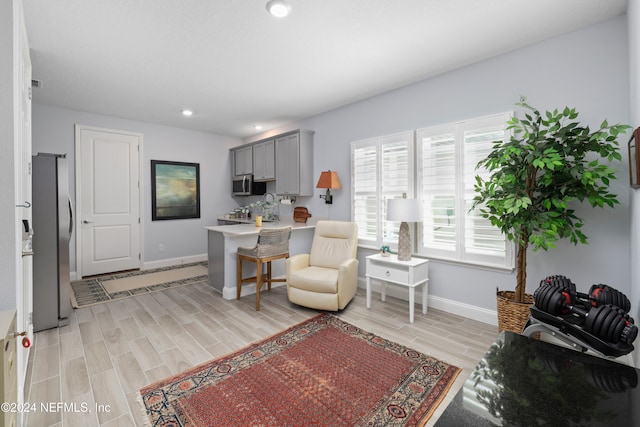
(348, 270)
(297, 262)
(347, 281)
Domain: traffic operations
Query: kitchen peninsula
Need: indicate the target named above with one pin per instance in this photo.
(223, 244)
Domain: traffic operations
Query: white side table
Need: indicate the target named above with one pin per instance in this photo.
(411, 274)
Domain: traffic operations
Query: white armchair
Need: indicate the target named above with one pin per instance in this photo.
(327, 277)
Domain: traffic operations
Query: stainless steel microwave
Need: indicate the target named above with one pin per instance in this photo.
(243, 185)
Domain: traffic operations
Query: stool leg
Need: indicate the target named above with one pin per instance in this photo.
(239, 277)
(258, 283)
(269, 276)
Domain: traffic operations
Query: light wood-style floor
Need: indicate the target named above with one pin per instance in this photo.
(111, 350)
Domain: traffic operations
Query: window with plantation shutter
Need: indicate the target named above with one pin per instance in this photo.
(438, 167)
(446, 163)
(382, 168)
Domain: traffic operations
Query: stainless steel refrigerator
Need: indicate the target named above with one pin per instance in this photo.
(52, 228)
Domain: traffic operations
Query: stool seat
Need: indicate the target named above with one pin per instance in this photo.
(273, 244)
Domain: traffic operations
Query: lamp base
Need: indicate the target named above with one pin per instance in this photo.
(404, 243)
(328, 198)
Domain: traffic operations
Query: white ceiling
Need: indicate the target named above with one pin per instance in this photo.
(235, 65)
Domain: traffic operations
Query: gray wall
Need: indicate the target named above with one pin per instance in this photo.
(587, 69)
(54, 132)
(633, 15)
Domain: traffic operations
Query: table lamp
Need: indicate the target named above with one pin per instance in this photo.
(404, 210)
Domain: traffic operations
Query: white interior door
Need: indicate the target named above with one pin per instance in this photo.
(24, 299)
(107, 181)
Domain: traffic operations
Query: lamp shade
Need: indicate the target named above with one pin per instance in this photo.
(404, 210)
(329, 179)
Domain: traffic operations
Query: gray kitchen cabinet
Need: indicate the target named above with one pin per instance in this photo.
(243, 160)
(294, 163)
(264, 161)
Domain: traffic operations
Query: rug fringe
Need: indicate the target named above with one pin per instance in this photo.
(143, 410)
(435, 406)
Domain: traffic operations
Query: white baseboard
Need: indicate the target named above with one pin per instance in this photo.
(465, 310)
(162, 263)
(173, 261)
(450, 306)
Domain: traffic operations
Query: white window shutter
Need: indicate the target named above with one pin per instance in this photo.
(364, 177)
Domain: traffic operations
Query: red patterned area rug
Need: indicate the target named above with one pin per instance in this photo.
(321, 372)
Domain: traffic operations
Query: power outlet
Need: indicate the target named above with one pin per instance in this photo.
(161, 247)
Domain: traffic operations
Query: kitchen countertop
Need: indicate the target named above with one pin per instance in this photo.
(223, 242)
(250, 228)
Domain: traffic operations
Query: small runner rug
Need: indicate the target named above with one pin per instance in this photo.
(321, 372)
(122, 285)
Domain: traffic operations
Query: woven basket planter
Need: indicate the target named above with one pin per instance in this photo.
(512, 315)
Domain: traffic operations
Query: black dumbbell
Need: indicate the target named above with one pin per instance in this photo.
(607, 322)
(604, 294)
(598, 294)
(564, 284)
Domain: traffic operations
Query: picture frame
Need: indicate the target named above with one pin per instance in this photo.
(175, 190)
(634, 159)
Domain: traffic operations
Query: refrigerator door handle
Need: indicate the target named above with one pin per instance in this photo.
(70, 217)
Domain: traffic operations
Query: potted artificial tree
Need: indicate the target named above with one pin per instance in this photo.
(549, 162)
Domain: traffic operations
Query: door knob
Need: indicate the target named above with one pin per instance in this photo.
(87, 222)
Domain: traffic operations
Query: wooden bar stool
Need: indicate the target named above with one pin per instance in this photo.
(273, 243)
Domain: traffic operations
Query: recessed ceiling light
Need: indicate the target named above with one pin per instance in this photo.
(257, 127)
(278, 8)
(187, 113)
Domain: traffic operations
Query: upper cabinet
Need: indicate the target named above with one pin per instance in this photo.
(294, 163)
(285, 158)
(242, 160)
(264, 161)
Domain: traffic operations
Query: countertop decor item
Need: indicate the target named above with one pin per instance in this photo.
(404, 211)
(300, 214)
(535, 177)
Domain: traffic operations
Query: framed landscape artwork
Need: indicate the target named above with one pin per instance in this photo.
(175, 190)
